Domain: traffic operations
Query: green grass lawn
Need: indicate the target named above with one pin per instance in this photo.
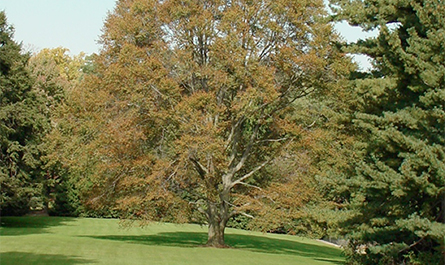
(66, 241)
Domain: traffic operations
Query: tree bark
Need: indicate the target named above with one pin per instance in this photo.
(443, 209)
(216, 234)
(217, 215)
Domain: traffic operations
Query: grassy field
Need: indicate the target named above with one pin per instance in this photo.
(55, 240)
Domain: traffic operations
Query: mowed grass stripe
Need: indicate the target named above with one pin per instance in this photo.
(58, 240)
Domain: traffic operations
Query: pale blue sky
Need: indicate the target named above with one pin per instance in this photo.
(73, 24)
(77, 24)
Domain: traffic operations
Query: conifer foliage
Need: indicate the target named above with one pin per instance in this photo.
(55, 74)
(192, 99)
(399, 191)
(23, 122)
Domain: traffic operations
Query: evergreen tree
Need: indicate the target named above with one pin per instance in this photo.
(56, 73)
(23, 122)
(398, 189)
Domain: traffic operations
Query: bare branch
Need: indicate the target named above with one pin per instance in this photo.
(235, 212)
(200, 209)
(240, 180)
(233, 131)
(247, 184)
(310, 125)
(230, 138)
(202, 170)
(246, 215)
(412, 245)
(233, 140)
(246, 152)
(157, 91)
(272, 140)
(246, 176)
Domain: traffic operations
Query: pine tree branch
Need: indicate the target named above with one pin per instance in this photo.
(412, 245)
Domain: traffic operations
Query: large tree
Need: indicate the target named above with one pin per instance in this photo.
(193, 99)
(56, 73)
(23, 123)
(398, 191)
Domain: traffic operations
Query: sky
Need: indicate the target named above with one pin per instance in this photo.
(73, 24)
(77, 24)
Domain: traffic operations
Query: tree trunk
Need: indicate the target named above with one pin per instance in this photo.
(216, 234)
(217, 218)
(443, 208)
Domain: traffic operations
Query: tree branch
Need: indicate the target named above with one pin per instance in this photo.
(200, 209)
(235, 212)
(272, 140)
(246, 176)
(202, 170)
(232, 141)
(413, 244)
(246, 152)
(240, 180)
(247, 184)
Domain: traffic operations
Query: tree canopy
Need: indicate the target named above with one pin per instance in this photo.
(398, 188)
(55, 74)
(191, 101)
(23, 122)
(218, 110)
(32, 88)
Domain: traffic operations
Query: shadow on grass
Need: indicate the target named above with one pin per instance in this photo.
(242, 242)
(18, 226)
(14, 258)
(331, 260)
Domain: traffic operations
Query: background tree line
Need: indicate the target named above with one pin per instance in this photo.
(239, 113)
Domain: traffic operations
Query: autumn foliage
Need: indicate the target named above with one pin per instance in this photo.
(192, 101)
